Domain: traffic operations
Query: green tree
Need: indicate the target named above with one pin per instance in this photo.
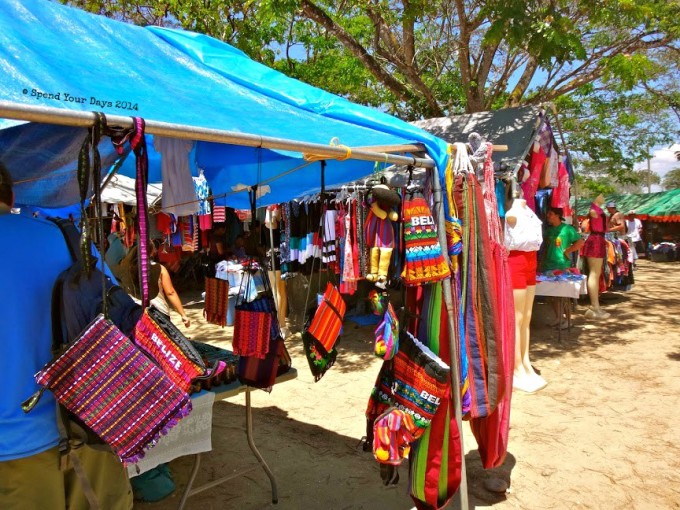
(672, 179)
(610, 66)
(431, 58)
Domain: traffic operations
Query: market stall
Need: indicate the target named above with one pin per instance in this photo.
(232, 115)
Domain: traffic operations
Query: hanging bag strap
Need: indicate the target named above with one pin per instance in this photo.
(138, 145)
(311, 271)
(97, 130)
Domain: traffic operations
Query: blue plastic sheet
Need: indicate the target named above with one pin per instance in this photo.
(53, 55)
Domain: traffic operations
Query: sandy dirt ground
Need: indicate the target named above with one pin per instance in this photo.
(603, 434)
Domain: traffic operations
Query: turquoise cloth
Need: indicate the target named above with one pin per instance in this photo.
(153, 485)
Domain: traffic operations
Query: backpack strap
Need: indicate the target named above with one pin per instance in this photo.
(72, 238)
(71, 235)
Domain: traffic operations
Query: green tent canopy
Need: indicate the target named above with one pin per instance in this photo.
(659, 207)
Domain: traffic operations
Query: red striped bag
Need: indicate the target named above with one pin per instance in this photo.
(327, 321)
(320, 336)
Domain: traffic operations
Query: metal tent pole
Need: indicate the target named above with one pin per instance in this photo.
(49, 115)
(462, 494)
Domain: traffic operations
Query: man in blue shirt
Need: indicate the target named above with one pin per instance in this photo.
(35, 253)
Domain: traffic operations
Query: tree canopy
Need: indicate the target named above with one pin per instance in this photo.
(611, 66)
(432, 58)
(672, 179)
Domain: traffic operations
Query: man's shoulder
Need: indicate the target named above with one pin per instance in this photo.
(22, 223)
(28, 232)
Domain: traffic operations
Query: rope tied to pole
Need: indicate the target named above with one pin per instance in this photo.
(335, 142)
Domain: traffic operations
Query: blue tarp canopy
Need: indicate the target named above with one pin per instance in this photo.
(55, 56)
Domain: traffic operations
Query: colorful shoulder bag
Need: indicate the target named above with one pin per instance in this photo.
(157, 336)
(257, 337)
(115, 390)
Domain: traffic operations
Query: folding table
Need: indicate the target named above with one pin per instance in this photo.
(562, 289)
(227, 391)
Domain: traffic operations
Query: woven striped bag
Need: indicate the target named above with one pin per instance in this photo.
(322, 330)
(115, 390)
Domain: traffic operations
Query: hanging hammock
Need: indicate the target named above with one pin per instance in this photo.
(491, 432)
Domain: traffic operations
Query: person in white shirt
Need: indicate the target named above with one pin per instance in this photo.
(634, 233)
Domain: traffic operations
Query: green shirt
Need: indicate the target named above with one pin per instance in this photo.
(557, 239)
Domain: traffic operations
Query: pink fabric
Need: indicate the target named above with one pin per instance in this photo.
(349, 278)
(205, 221)
(597, 224)
(492, 432)
(560, 196)
(530, 186)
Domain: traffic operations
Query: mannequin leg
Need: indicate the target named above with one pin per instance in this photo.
(520, 297)
(525, 378)
(594, 272)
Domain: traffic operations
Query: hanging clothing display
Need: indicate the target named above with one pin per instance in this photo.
(560, 196)
(179, 197)
(530, 186)
(329, 237)
(481, 334)
(202, 192)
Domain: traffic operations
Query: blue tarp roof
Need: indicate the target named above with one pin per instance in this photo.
(52, 55)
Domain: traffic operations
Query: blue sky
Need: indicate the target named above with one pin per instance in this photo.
(663, 161)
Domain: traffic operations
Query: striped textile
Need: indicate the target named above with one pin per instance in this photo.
(219, 214)
(425, 262)
(216, 301)
(436, 459)
(378, 232)
(138, 145)
(115, 390)
(252, 333)
(482, 335)
(325, 326)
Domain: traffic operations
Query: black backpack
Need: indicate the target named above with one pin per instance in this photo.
(77, 298)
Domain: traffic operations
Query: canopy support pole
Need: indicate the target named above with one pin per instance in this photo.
(50, 115)
(454, 348)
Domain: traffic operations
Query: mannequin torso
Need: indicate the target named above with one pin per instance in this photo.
(523, 229)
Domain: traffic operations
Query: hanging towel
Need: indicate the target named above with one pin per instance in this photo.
(219, 214)
(216, 301)
(179, 197)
